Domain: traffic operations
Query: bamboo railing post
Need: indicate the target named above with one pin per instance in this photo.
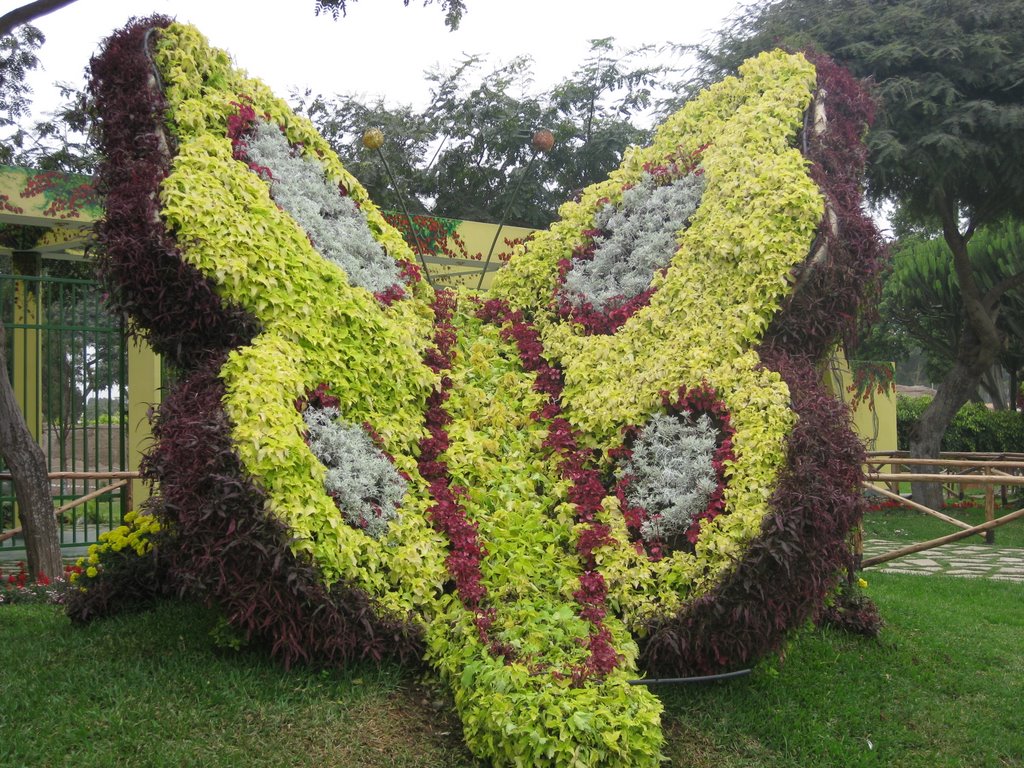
(858, 548)
(990, 509)
(896, 469)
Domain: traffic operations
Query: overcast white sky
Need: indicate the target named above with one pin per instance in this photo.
(380, 47)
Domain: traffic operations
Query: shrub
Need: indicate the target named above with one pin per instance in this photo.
(974, 428)
(122, 573)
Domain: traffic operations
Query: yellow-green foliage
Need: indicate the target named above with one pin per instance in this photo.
(315, 327)
(755, 223)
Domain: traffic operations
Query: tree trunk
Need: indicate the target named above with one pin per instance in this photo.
(27, 464)
(991, 384)
(925, 442)
(980, 343)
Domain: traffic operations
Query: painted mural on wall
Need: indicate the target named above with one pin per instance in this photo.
(618, 462)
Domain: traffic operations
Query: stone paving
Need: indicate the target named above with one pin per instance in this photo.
(971, 561)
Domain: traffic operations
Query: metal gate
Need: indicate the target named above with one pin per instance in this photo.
(67, 360)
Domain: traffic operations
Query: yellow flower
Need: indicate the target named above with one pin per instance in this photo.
(862, 583)
(91, 571)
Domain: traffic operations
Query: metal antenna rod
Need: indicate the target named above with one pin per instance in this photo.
(541, 141)
(501, 224)
(374, 139)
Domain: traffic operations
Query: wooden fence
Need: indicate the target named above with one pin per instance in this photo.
(885, 470)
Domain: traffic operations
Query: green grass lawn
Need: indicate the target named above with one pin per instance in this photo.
(904, 524)
(941, 688)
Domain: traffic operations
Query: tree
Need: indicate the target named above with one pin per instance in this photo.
(29, 12)
(453, 9)
(467, 154)
(27, 464)
(948, 144)
(922, 300)
(17, 58)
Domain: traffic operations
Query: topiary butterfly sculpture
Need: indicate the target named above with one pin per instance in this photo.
(618, 462)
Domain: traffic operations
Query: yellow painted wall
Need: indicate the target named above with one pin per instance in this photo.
(143, 393)
(477, 238)
(874, 418)
(48, 198)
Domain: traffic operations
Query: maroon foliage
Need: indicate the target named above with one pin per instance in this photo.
(604, 322)
(128, 583)
(854, 613)
(831, 293)
(169, 301)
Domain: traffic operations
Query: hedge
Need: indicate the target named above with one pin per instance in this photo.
(975, 428)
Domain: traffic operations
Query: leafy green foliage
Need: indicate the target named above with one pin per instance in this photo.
(59, 142)
(975, 428)
(453, 9)
(923, 301)
(18, 57)
(947, 74)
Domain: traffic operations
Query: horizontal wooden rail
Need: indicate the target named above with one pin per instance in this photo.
(70, 505)
(1000, 463)
(895, 477)
(979, 455)
(121, 478)
(919, 507)
(90, 496)
(114, 475)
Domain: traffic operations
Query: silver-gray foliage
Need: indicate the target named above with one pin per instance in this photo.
(363, 482)
(335, 225)
(672, 471)
(643, 230)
